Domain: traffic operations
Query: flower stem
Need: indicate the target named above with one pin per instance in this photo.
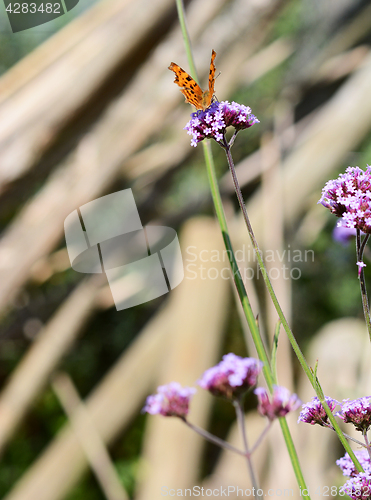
(249, 315)
(260, 438)
(311, 376)
(248, 311)
(213, 439)
(262, 267)
(241, 424)
(237, 276)
(233, 263)
(360, 247)
(367, 444)
(348, 437)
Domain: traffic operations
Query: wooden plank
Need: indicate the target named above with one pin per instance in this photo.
(32, 372)
(34, 111)
(196, 308)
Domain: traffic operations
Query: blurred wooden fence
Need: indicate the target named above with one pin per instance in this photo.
(71, 79)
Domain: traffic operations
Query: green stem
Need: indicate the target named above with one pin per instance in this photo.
(247, 308)
(186, 38)
(360, 246)
(236, 274)
(262, 267)
(313, 379)
(241, 290)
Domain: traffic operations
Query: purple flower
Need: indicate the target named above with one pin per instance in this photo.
(347, 466)
(360, 264)
(314, 413)
(171, 400)
(358, 487)
(343, 234)
(212, 122)
(356, 412)
(282, 402)
(349, 197)
(232, 376)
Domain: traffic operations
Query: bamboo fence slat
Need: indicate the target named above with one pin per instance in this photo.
(89, 171)
(194, 346)
(112, 405)
(119, 395)
(31, 117)
(89, 438)
(32, 372)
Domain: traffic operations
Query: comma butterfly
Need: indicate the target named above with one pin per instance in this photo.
(191, 90)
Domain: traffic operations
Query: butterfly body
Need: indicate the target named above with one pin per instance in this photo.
(200, 99)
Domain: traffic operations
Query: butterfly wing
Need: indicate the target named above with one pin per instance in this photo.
(188, 87)
(211, 80)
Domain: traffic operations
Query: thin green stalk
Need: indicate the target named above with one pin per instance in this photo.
(335, 425)
(246, 306)
(236, 274)
(247, 309)
(312, 378)
(360, 247)
(186, 37)
(274, 351)
(262, 267)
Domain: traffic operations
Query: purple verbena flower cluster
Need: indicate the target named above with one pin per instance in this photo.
(358, 487)
(171, 400)
(314, 413)
(349, 197)
(347, 466)
(280, 403)
(357, 412)
(212, 122)
(232, 376)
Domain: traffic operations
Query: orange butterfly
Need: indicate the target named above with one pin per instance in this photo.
(191, 90)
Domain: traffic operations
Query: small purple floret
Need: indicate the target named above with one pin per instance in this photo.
(281, 403)
(358, 487)
(347, 466)
(357, 412)
(232, 376)
(171, 400)
(314, 413)
(349, 197)
(212, 122)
